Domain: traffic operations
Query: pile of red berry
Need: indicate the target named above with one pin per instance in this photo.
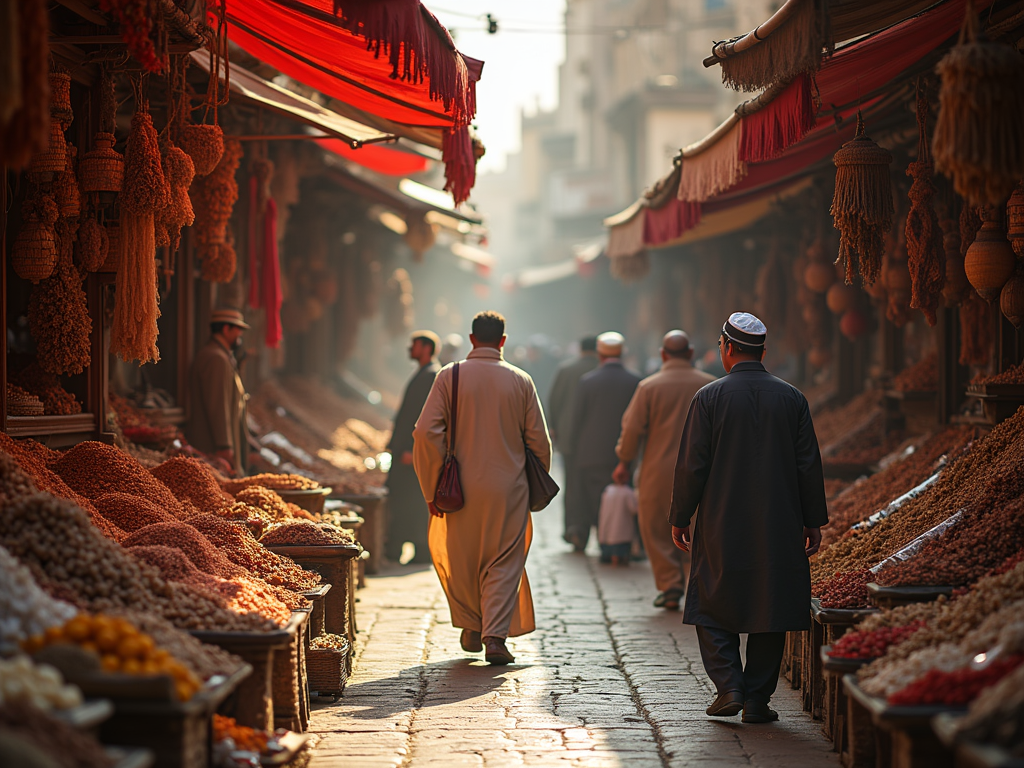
(844, 590)
(872, 644)
(954, 688)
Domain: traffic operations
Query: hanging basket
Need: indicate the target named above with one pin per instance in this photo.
(60, 97)
(978, 141)
(54, 157)
(65, 188)
(989, 262)
(102, 169)
(34, 253)
(862, 207)
(204, 144)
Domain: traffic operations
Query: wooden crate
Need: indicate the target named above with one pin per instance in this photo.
(335, 564)
(373, 531)
(289, 690)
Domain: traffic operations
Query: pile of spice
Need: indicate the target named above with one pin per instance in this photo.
(833, 424)
(130, 513)
(872, 644)
(866, 446)
(923, 376)
(273, 481)
(273, 508)
(193, 544)
(1012, 375)
(305, 533)
(875, 492)
(46, 386)
(959, 687)
(191, 480)
(139, 426)
(985, 477)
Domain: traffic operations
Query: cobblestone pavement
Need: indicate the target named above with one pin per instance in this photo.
(607, 680)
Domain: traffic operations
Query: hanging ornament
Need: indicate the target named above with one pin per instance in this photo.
(862, 207)
(841, 298)
(978, 141)
(925, 255)
(989, 262)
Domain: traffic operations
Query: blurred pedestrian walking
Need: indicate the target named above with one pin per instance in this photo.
(560, 408)
(407, 513)
(601, 399)
(654, 421)
(480, 550)
(749, 460)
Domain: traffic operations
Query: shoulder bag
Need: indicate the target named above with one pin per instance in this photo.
(543, 488)
(448, 496)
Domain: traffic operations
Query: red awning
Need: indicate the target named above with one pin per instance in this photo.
(379, 158)
(391, 58)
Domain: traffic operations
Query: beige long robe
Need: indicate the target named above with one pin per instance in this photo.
(480, 551)
(658, 412)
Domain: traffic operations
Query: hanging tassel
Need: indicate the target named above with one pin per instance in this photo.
(926, 257)
(714, 170)
(978, 141)
(459, 163)
(862, 208)
(782, 122)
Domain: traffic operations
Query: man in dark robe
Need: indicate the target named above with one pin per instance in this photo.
(749, 460)
(560, 405)
(408, 517)
(601, 398)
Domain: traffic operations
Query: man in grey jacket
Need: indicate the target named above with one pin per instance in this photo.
(601, 399)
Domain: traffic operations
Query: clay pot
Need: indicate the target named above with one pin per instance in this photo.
(853, 324)
(1011, 298)
(841, 298)
(819, 276)
(990, 261)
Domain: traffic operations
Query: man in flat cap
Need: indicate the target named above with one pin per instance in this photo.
(657, 413)
(560, 408)
(408, 517)
(749, 460)
(601, 399)
(218, 397)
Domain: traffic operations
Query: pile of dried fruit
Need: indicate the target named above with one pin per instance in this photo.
(874, 493)
(191, 480)
(985, 477)
(833, 424)
(273, 481)
(193, 544)
(997, 715)
(846, 590)
(923, 376)
(866, 446)
(872, 644)
(305, 533)
(130, 513)
(36, 685)
(1012, 375)
(121, 648)
(958, 687)
(273, 508)
(64, 744)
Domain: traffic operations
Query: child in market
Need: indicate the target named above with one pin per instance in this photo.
(616, 523)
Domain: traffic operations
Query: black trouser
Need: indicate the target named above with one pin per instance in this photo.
(408, 515)
(720, 652)
(588, 484)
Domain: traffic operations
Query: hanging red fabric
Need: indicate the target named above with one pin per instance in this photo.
(459, 164)
(271, 278)
(253, 243)
(670, 221)
(780, 124)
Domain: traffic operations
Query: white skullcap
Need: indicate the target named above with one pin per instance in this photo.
(744, 328)
(610, 344)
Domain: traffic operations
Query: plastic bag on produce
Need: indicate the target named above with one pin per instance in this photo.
(898, 502)
(912, 548)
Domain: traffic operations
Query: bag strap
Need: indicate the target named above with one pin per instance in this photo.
(455, 409)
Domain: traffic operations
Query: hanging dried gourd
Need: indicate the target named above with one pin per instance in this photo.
(862, 208)
(989, 262)
(102, 168)
(134, 330)
(975, 330)
(213, 200)
(25, 103)
(34, 252)
(178, 213)
(65, 187)
(978, 141)
(58, 313)
(925, 255)
(92, 244)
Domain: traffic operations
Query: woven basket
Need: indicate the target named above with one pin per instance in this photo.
(54, 157)
(34, 253)
(65, 188)
(60, 98)
(285, 686)
(204, 144)
(102, 169)
(327, 669)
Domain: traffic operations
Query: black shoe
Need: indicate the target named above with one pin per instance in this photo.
(726, 705)
(668, 600)
(756, 712)
(471, 641)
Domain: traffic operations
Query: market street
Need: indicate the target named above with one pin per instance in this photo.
(606, 680)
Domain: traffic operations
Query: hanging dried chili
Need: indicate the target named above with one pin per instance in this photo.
(925, 256)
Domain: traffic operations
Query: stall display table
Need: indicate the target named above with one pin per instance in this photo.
(969, 754)
(891, 597)
(835, 668)
(373, 531)
(821, 693)
(289, 687)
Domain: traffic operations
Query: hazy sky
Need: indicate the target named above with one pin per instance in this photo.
(521, 63)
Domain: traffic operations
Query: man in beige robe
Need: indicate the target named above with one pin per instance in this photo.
(480, 551)
(657, 412)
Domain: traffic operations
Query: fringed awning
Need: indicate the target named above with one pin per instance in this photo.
(799, 34)
(391, 58)
(776, 137)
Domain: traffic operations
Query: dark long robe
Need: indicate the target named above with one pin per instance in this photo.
(407, 512)
(749, 460)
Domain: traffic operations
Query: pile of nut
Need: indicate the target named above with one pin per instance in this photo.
(276, 482)
(271, 506)
(25, 610)
(305, 533)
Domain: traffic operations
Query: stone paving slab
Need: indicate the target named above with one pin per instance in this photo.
(606, 681)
